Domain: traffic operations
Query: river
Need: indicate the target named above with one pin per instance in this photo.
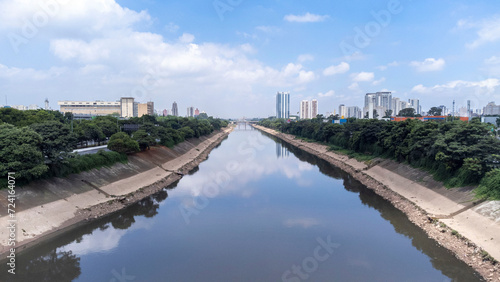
(256, 210)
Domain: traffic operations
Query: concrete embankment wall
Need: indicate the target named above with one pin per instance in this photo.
(49, 206)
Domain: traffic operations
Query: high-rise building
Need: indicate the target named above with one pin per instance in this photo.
(396, 106)
(151, 108)
(304, 110)
(343, 111)
(142, 110)
(354, 112)
(136, 109)
(444, 110)
(380, 102)
(190, 112)
(283, 105)
(463, 112)
(175, 110)
(415, 103)
(127, 107)
(314, 108)
(33, 107)
(491, 109)
(165, 112)
(145, 109)
(46, 104)
(196, 112)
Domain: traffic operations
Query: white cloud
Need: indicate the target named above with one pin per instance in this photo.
(362, 76)
(327, 94)
(485, 86)
(69, 18)
(429, 64)
(306, 18)
(385, 67)
(492, 66)
(488, 30)
(104, 56)
(267, 29)
(305, 57)
(377, 82)
(171, 27)
(494, 60)
(354, 86)
(186, 38)
(341, 68)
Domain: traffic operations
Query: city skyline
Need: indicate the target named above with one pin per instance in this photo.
(98, 50)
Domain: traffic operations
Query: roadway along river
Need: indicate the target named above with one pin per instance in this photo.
(256, 210)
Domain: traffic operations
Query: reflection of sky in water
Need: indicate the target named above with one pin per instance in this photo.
(266, 217)
(104, 240)
(238, 171)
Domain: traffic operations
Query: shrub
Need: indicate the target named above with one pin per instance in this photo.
(122, 143)
(489, 188)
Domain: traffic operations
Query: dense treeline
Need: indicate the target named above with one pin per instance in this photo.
(37, 143)
(457, 153)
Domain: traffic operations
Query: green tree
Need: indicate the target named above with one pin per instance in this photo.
(90, 131)
(20, 152)
(107, 124)
(388, 114)
(435, 111)
(375, 114)
(12, 116)
(202, 116)
(122, 143)
(498, 122)
(187, 132)
(57, 140)
(408, 112)
(144, 140)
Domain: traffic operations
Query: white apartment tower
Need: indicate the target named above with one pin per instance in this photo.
(304, 109)
(127, 107)
(343, 111)
(314, 108)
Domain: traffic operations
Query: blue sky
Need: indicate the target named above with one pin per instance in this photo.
(230, 57)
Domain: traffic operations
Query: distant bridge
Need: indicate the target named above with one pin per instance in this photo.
(243, 124)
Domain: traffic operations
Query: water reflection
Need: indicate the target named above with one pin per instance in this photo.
(281, 151)
(242, 221)
(51, 266)
(58, 259)
(440, 257)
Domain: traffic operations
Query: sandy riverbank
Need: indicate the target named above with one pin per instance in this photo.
(436, 210)
(81, 198)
